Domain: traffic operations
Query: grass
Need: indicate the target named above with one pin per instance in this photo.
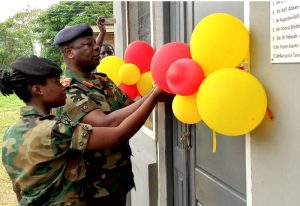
(9, 113)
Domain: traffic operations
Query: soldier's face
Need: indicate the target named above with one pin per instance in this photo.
(54, 94)
(85, 52)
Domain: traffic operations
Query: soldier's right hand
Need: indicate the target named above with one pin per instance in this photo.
(162, 96)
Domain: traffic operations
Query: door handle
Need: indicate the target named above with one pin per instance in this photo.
(185, 139)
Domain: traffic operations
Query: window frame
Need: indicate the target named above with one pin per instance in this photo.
(130, 17)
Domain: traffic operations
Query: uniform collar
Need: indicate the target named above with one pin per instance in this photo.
(97, 82)
(72, 75)
(32, 111)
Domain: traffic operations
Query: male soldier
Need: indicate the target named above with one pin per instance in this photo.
(43, 156)
(94, 99)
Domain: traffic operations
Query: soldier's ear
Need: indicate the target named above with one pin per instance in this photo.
(68, 52)
(36, 90)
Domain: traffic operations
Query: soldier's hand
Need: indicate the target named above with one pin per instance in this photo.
(162, 96)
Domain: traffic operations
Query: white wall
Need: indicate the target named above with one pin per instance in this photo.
(120, 28)
(144, 167)
(275, 145)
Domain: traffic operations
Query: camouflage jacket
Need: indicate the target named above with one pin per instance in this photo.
(43, 157)
(109, 170)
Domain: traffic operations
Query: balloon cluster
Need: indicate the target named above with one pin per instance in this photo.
(133, 75)
(174, 71)
(204, 75)
(205, 78)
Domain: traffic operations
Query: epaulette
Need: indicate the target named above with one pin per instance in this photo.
(66, 82)
(101, 76)
(102, 79)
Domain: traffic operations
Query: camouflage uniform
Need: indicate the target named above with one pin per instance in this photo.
(44, 158)
(109, 171)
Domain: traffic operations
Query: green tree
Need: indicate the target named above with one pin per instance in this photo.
(63, 14)
(16, 36)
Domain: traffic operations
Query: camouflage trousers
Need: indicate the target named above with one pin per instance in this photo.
(108, 201)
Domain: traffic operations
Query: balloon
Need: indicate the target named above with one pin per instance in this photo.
(163, 58)
(185, 109)
(130, 90)
(145, 83)
(129, 74)
(139, 53)
(231, 101)
(184, 77)
(110, 66)
(219, 41)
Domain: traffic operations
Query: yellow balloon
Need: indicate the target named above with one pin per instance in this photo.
(110, 65)
(219, 41)
(185, 109)
(129, 74)
(231, 101)
(145, 83)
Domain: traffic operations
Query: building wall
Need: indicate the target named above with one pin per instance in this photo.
(120, 37)
(274, 144)
(109, 36)
(145, 170)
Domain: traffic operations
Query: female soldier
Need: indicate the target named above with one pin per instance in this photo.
(42, 155)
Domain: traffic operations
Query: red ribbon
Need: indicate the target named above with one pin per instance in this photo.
(269, 113)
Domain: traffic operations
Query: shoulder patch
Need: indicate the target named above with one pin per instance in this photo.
(66, 82)
(88, 84)
(102, 79)
(101, 76)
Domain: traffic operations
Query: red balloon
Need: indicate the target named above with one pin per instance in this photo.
(163, 58)
(185, 76)
(139, 53)
(130, 90)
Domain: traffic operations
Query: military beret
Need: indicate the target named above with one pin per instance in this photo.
(71, 33)
(36, 66)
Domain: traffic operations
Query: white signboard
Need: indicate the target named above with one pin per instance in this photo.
(285, 31)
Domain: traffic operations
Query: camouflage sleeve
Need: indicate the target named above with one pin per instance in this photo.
(78, 104)
(70, 136)
(119, 93)
(17, 190)
(80, 136)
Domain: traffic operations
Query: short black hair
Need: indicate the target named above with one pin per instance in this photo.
(109, 47)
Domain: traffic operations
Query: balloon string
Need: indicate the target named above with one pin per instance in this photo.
(269, 113)
(214, 141)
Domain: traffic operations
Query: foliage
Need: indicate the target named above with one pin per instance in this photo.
(9, 113)
(10, 101)
(16, 37)
(67, 13)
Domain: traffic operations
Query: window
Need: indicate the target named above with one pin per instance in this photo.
(139, 23)
(139, 28)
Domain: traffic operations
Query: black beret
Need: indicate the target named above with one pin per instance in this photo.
(71, 33)
(36, 66)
